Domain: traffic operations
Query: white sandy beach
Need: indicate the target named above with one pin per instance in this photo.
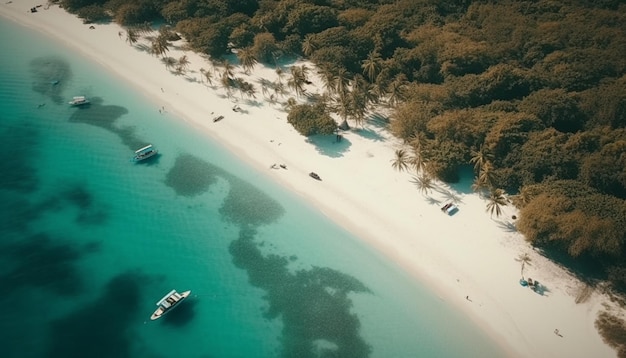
(467, 259)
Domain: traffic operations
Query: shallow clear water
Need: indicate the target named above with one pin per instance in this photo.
(90, 241)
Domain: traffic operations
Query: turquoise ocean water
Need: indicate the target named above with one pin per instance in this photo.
(90, 241)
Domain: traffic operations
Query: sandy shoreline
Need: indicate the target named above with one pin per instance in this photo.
(467, 259)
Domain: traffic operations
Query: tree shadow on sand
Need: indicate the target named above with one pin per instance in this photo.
(507, 226)
(369, 133)
(329, 146)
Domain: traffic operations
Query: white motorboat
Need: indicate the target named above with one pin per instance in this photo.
(79, 101)
(145, 153)
(169, 302)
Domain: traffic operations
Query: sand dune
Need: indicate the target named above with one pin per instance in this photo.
(468, 259)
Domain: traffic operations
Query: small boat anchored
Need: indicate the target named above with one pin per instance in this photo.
(168, 302)
(78, 101)
(145, 153)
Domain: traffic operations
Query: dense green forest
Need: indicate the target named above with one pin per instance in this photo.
(532, 94)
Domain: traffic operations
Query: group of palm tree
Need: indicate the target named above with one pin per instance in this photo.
(414, 161)
(484, 181)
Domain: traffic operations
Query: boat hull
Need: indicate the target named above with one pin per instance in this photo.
(161, 311)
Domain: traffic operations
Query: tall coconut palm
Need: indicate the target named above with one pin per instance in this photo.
(479, 158)
(342, 81)
(342, 105)
(132, 36)
(525, 260)
(228, 70)
(183, 63)
(247, 58)
(401, 160)
(424, 182)
(249, 90)
(308, 45)
(208, 76)
(397, 90)
(227, 84)
(371, 65)
(280, 73)
(265, 85)
(297, 80)
(169, 62)
(328, 78)
(244, 87)
(497, 200)
(160, 45)
(523, 197)
(279, 88)
(359, 105)
(486, 177)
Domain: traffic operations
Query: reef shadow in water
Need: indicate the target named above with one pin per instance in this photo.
(313, 304)
(247, 206)
(101, 329)
(19, 143)
(50, 77)
(44, 262)
(105, 116)
(191, 176)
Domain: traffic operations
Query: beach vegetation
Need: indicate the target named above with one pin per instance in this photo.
(247, 59)
(311, 119)
(132, 36)
(93, 13)
(400, 162)
(525, 260)
(497, 199)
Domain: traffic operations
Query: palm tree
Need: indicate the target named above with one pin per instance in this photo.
(208, 76)
(279, 88)
(525, 260)
(417, 160)
(497, 200)
(160, 46)
(342, 105)
(424, 183)
(371, 65)
(308, 45)
(342, 81)
(227, 84)
(169, 62)
(297, 80)
(132, 36)
(523, 197)
(247, 59)
(265, 84)
(328, 78)
(401, 161)
(397, 90)
(280, 73)
(249, 90)
(291, 102)
(486, 177)
(228, 70)
(183, 63)
(359, 103)
(479, 158)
